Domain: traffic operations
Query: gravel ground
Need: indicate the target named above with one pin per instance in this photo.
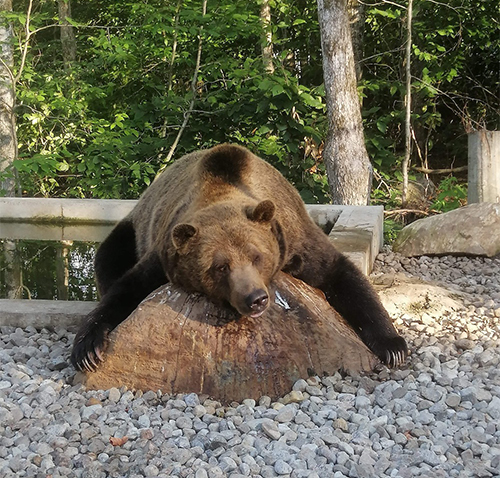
(438, 416)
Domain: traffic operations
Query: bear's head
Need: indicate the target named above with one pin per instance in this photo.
(230, 254)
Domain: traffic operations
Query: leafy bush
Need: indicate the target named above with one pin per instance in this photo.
(104, 127)
(451, 194)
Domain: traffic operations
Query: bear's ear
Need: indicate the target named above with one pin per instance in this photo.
(181, 235)
(263, 212)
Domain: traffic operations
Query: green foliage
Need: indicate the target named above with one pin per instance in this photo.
(451, 195)
(385, 190)
(104, 127)
(455, 83)
(392, 228)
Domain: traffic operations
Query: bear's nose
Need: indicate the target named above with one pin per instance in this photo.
(257, 300)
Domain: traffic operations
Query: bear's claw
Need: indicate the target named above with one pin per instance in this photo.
(394, 359)
(88, 348)
(392, 352)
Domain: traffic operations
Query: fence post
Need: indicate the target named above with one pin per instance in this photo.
(484, 166)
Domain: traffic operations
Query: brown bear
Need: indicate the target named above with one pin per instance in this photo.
(223, 222)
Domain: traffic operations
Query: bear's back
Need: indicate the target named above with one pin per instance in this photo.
(201, 178)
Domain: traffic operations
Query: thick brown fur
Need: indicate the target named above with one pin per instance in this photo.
(223, 222)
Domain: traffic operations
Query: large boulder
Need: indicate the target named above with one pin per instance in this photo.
(470, 230)
(180, 343)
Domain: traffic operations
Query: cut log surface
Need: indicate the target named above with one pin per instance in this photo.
(182, 343)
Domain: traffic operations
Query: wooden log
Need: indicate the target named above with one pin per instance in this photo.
(181, 343)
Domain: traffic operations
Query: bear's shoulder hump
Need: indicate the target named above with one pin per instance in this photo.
(227, 162)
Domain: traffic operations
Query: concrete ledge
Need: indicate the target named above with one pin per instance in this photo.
(44, 313)
(44, 231)
(357, 232)
(67, 210)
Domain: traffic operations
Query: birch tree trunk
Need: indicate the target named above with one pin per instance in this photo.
(8, 141)
(267, 36)
(406, 161)
(347, 163)
(68, 40)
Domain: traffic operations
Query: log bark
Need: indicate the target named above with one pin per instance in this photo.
(182, 343)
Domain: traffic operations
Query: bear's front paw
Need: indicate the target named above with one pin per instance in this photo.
(391, 351)
(89, 347)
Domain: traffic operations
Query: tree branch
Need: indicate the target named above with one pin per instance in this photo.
(193, 90)
(394, 212)
(24, 50)
(441, 171)
(174, 45)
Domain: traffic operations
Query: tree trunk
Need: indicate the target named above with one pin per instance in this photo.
(267, 36)
(180, 343)
(68, 41)
(406, 161)
(13, 271)
(347, 163)
(357, 21)
(8, 140)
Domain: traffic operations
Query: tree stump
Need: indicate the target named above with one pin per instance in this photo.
(181, 343)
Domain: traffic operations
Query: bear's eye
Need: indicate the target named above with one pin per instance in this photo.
(222, 268)
(257, 259)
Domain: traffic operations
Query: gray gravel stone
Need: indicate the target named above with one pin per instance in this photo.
(437, 416)
(114, 394)
(271, 429)
(282, 468)
(286, 414)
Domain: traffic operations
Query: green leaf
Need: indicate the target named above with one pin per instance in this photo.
(382, 126)
(277, 90)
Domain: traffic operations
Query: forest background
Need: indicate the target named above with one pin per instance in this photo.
(102, 95)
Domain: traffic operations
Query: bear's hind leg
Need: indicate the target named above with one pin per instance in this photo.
(115, 256)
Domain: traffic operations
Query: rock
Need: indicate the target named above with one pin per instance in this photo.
(114, 394)
(341, 424)
(432, 394)
(453, 400)
(286, 414)
(362, 402)
(293, 397)
(464, 344)
(416, 298)
(271, 429)
(191, 345)
(300, 385)
(282, 468)
(468, 230)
